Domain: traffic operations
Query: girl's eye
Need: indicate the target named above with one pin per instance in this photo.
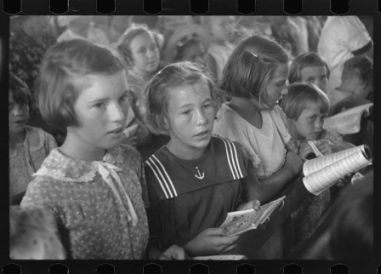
(124, 98)
(99, 105)
(152, 47)
(143, 50)
(186, 112)
(207, 105)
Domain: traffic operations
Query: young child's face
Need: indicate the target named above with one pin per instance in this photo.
(101, 110)
(194, 53)
(190, 117)
(145, 53)
(309, 124)
(276, 86)
(18, 116)
(221, 27)
(316, 75)
(354, 84)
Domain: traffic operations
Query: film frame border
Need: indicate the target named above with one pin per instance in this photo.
(184, 7)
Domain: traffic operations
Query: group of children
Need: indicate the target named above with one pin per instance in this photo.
(232, 145)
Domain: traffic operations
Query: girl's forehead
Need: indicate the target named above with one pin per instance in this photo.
(281, 71)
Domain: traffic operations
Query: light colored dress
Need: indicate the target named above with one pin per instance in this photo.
(265, 145)
(27, 157)
(98, 205)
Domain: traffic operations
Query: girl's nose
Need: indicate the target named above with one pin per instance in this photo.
(200, 117)
(116, 113)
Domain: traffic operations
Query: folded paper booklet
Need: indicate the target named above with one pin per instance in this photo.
(323, 172)
(348, 121)
(237, 222)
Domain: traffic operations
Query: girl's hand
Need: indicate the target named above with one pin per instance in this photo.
(305, 150)
(211, 241)
(324, 146)
(293, 163)
(253, 204)
(173, 252)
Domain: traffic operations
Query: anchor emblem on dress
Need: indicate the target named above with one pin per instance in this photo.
(199, 175)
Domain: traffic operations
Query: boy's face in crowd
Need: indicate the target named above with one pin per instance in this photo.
(221, 27)
(354, 84)
(276, 86)
(101, 110)
(316, 75)
(145, 53)
(190, 118)
(18, 116)
(309, 124)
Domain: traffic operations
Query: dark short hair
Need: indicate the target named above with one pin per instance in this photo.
(124, 42)
(62, 64)
(363, 65)
(298, 97)
(251, 65)
(19, 91)
(172, 76)
(307, 59)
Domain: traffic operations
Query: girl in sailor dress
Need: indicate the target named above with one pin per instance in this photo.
(195, 179)
(94, 187)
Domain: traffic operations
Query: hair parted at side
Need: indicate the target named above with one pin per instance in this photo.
(299, 96)
(307, 59)
(62, 66)
(172, 76)
(251, 66)
(123, 45)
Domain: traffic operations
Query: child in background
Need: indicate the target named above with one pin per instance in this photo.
(220, 28)
(139, 50)
(94, 187)
(356, 86)
(28, 146)
(309, 67)
(195, 179)
(254, 77)
(192, 50)
(306, 106)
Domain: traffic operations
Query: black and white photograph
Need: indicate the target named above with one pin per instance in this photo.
(133, 137)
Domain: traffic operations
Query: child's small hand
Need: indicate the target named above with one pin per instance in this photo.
(324, 146)
(293, 162)
(305, 150)
(253, 204)
(211, 241)
(173, 252)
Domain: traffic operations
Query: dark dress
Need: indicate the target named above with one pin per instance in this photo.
(189, 196)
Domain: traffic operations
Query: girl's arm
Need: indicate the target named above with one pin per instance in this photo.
(268, 187)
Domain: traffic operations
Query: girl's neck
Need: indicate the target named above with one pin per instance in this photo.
(79, 149)
(247, 110)
(180, 151)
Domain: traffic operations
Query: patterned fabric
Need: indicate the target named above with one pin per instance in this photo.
(33, 235)
(97, 223)
(27, 158)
